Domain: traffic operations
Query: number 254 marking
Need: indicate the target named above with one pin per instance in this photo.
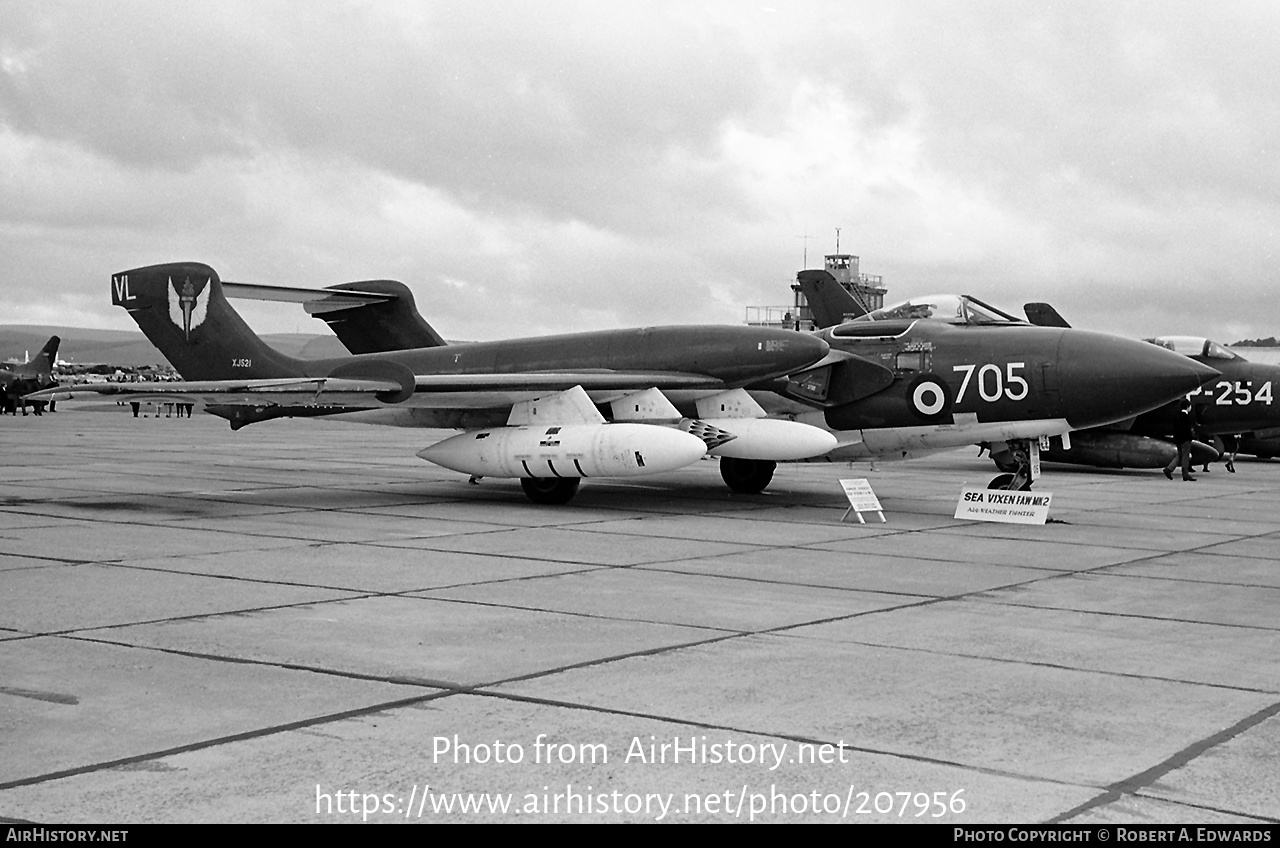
(1239, 394)
(994, 383)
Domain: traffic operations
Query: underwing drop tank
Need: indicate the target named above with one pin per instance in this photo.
(1124, 450)
(567, 451)
(768, 438)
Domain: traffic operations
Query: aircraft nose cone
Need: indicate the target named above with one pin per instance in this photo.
(1108, 378)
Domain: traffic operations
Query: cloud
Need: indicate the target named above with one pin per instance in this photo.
(535, 167)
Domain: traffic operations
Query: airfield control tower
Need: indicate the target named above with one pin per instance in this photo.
(867, 289)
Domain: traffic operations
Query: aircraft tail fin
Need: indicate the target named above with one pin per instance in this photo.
(41, 364)
(828, 300)
(1044, 315)
(391, 324)
(181, 308)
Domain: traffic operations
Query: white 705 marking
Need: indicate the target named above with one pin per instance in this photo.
(994, 383)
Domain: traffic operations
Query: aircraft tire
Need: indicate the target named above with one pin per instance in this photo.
(1003, 482)
(550, 490)
(749, 476)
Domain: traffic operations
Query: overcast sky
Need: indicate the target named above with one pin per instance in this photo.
(545, 166)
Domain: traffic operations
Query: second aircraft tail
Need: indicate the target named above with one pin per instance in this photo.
(392, 324)
(41, 366)
(828, 300)
(181, 308)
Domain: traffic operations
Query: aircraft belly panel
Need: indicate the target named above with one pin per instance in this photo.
(927, 439)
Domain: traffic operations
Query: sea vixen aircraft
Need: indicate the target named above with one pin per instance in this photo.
(956, 372)
(531, 408)
(27, 377)
(1242, 400)
(896, 386)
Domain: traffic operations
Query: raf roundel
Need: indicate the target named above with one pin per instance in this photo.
(929, 397)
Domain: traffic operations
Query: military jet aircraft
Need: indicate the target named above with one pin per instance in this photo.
(27, 377)
(895, 386)
(531, 408)
(1241, 400)
(946, 371)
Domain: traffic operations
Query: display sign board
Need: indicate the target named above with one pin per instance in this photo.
(1002, 505)
(861, 499)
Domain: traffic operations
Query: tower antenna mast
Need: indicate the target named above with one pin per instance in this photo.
(806, 238)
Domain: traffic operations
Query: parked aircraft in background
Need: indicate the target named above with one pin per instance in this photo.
(531, 408)
(27, 377)
(1241, 400)
(946, 371)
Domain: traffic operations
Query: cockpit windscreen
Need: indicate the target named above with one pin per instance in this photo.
(951, 308)
(1195, 346)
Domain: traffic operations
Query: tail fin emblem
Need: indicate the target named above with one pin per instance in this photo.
(187, 309)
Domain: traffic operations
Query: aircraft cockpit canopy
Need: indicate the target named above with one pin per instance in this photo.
(951, 308)
(1195, 346)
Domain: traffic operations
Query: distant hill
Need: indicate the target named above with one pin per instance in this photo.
(1269, 341)
(132, 349)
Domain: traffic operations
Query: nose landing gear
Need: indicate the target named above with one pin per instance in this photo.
(1019, 457)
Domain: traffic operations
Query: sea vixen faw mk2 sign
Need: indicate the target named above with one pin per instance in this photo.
(1001, 505)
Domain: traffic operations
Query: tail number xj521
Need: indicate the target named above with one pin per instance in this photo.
(1237, 393)
(992, 383)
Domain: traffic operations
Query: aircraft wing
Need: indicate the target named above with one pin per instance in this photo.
(466, 391)
(295, 391)
(561, 380)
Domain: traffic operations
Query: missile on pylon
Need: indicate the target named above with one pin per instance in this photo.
(572, 450)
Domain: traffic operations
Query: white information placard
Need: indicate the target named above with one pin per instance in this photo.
(861, 499)
(1001, 505)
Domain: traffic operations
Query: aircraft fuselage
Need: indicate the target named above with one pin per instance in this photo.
(1242, 400)
(940, 385)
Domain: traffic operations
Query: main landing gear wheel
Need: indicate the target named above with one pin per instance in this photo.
(747, 475)
(550, 490)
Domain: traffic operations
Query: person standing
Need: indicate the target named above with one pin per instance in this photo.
(1231, 444)
(1183, 432)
